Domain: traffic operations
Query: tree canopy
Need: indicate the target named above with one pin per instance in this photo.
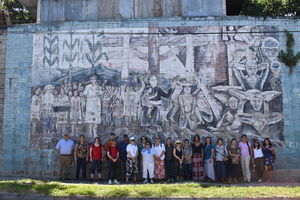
(17, 12)
(263, 7)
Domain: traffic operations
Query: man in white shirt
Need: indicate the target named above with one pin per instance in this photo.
(64, 149)
(148, 162)
(131, 162)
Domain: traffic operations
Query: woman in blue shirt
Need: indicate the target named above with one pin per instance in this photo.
(209, 151)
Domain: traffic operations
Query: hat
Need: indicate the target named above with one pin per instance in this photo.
(178, 142)
(132, 138)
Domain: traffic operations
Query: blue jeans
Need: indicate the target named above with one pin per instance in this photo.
(220, 169)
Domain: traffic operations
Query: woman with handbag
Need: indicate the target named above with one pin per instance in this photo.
(221, 158)
(233, 161)
(258, 161)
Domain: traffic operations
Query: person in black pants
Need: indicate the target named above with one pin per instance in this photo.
(169, 161)
(81, 157)
(113, 156)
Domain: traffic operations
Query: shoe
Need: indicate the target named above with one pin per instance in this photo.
(110, 182)
(116, 182)
(151, 181)
(259, 180)
(145, 181)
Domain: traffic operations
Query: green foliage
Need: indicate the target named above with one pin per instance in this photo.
(289, 58)
(185, 190)
(271, 8)
(17, 12)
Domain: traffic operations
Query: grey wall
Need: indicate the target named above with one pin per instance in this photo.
(78, 10)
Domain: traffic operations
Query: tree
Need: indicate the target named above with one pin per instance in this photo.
(17, 12)
(271, 8)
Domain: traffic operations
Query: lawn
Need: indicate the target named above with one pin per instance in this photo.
(151, 190)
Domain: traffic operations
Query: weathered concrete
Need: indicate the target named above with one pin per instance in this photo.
(24, 41)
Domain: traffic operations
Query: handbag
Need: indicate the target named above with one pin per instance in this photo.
(235, 160)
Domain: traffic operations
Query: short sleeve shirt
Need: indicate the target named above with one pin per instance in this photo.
(148, 155)
(207, 151)
(65, 147)
(132, 149)
(244, 149)
(158, 150)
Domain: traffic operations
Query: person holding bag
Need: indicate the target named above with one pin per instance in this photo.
(233, 161)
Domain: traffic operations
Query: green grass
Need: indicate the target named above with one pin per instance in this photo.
(195, 190)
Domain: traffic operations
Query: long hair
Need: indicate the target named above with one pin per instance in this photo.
(96, 139)
(206, 139)
(258, 146)
(270, 144)
(196, 136)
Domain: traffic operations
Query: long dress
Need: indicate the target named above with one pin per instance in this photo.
(93, 104)
(197, 164)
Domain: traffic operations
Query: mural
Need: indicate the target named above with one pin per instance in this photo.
(172, 81)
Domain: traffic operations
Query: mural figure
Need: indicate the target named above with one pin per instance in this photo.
(174, 82)
(92, 93)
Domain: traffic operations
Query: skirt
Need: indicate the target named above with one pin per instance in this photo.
(209, 169)
(159, 169)
(197, 168)
(269, 161)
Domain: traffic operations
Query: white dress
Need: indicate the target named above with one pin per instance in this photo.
(93, 104)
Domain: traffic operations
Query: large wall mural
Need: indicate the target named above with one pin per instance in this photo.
(172, 81)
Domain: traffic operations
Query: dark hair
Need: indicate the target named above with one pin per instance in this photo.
(270, 144)
(125, 135)
(219, 139)
(145, 138)
(197, 137)
(232, 141)
(206, 139)
(96, 139)
(186, 140)
(244, 136)
(112, 134)
(256, 141)
(81, 136)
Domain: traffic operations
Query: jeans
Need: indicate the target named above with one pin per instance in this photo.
(187, 171)
(81, 164)
(220, 169)
(112, 170)
(96, 164)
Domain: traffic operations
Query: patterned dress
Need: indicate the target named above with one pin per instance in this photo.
(197, 165)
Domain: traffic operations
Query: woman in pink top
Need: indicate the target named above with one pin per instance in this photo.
(246, 154)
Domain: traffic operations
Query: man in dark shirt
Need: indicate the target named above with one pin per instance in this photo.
(123, 156)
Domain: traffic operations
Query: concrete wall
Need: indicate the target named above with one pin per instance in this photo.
(218, 70)
(80, 10)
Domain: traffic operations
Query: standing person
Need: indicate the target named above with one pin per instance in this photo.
(221, 158)
(178, 155)
(141, 146)
(148, 162)
(123, 157)
(198, 154)
(269, 155)
(159, 165)
(131, 163)
(187, 163)
(258, 161)
(81, 156)
(246, 154)
(169, 161)
(109, 141)
(233, 161)
(113, 156)
(96, 155)
(209, 151)
(64, 149)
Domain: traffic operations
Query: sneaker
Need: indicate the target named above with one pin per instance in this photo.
(116, 182)
(110, 182)
(145, 181)
(151, 181)
(259, 180)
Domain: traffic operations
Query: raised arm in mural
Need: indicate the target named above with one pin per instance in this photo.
(174, 106)
(137, 94)
(251, 75)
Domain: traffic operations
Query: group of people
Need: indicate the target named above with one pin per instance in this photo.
(181, 160)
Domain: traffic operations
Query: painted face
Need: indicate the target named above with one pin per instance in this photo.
(270, 47)
(75, 93)
(93, 79)
(275, 69)
(55, 92)
(61, 91)
(70, 93)
(256, 103)
(153, 81)
(251, 68)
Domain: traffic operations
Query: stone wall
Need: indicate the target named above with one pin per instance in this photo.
(217, 77)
